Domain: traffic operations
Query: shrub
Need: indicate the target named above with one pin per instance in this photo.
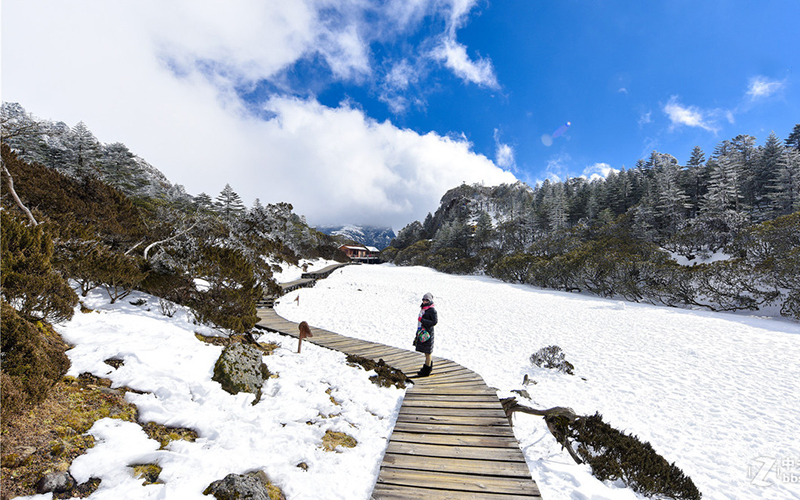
(613, 455)
(551, 357)
(27, 278)
(33, 361)
(413, 255)
(386, 376)
(453, 261)
(171, 288)
(230, 300)
(514, 268)
(119, 274)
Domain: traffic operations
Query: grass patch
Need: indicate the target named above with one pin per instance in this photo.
(148, 472)
(48, 437)
(165, 435)
(331, 440)
(266, 347)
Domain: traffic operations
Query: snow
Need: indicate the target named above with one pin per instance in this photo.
(163, 358)
(709, 259)
(714, 393)
(291, 273)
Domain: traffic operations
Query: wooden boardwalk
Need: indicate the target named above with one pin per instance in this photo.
(452, 439)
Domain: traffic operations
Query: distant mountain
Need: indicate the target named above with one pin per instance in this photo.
(373, 236)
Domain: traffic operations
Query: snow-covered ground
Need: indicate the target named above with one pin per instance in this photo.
(163, 358)
(715, 393)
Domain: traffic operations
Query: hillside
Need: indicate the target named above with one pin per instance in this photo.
(623, 235)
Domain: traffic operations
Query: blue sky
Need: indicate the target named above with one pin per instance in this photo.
(367, 112)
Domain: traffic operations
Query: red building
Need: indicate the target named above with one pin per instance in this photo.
(361, 253)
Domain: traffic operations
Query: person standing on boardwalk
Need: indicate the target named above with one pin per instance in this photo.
(423, 340)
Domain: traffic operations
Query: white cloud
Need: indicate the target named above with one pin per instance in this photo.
(356, 168)
(690, 116)
(598, 171)
(454, 56)
(504, 153)
(645, 118)
(761, 87)
(557, 168)
(162, 78)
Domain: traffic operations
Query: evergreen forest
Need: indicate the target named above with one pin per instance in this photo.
(721, 232)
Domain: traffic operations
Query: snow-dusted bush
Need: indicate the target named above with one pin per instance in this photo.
(614, 455)
(552, 357)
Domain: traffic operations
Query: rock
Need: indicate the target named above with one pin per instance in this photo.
(240, 369)
(251, 486)
(57, 482)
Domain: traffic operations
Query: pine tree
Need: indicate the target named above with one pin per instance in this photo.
(694, 179)
(229, 204)
(723, 183)
(672, 201)
(85, 149)
(203, 202)
(768, 168)
(556, 208)
(793, 141)
(743, 157)
(785, 192)
(483, 229)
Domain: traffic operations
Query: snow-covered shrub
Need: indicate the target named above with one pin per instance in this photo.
(552, 357)
(614, 455)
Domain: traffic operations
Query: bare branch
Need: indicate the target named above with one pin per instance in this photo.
(13, 192)
(151, 245)
(134, 246)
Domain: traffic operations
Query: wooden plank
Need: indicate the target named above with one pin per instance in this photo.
(458, 482)
(440, 378)
(421, 388)
(424, 450)
(453, 439)
(349, 345)
(376, 351)
(445, 386)
(496, 412)
(396, 492)
(454, 429)
(449, 402)
(452, 419)
(458, 465)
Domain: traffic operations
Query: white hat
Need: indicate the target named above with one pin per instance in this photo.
(428, 296)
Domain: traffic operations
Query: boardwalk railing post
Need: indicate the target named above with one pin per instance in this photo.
(305, 331)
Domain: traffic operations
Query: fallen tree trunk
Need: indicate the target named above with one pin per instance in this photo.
(558, 415)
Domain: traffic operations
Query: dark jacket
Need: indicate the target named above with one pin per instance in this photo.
(428, 320)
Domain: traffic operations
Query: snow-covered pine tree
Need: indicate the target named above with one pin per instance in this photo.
(85, 150)
(723, 182)
(785, 191)
(203, 202)
(793, 141)
(767, 168)
(229, 203)
(694, 179)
